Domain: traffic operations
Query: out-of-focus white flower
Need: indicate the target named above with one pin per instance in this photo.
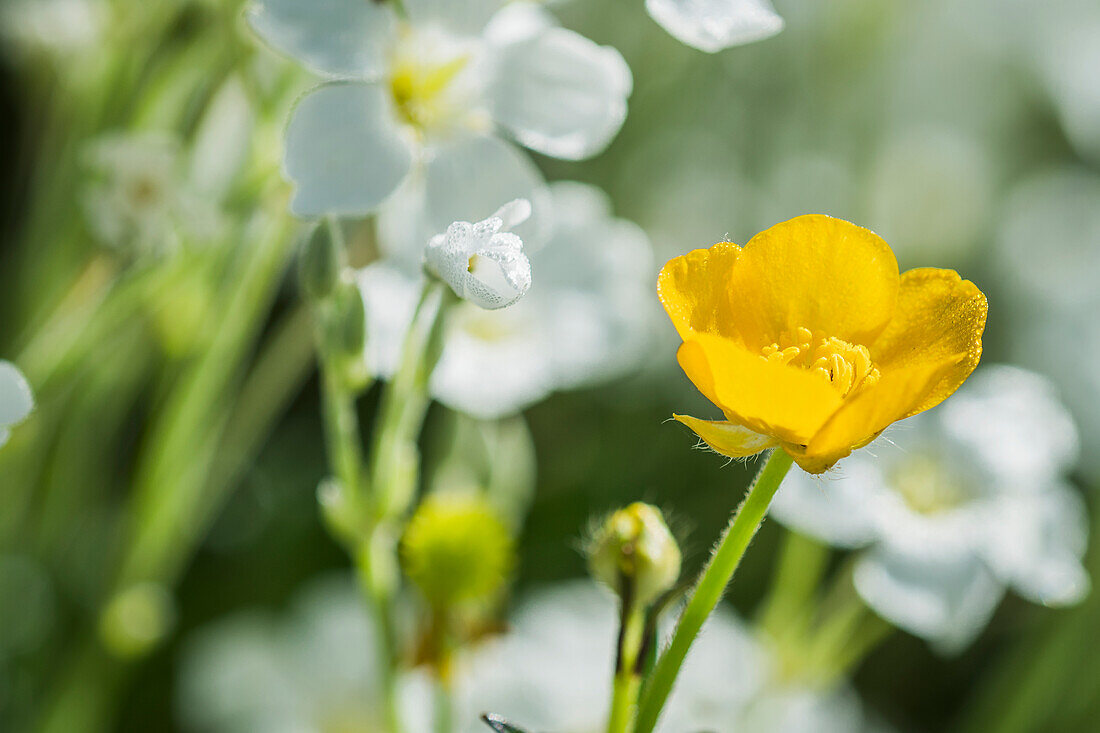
(57, 27)
(553, 672)
(16, 400)
(586, 317)
(310, 671)
(143, 202)
(483, 263)
(712, 25)
(955, 505)
(419, 103)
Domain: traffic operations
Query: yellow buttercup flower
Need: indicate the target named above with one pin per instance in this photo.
(808, 339)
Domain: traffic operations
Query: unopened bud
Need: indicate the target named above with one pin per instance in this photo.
(457, 550)
(320, 263)
(634, 545)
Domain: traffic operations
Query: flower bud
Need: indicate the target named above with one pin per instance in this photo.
(634, 545)
(457, 550)
(483, 263)
(320, 263)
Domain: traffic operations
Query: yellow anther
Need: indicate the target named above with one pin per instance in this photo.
(847, 367)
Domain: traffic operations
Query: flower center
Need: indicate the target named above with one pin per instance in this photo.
(845, 366)
(424, 82)
(928, 486)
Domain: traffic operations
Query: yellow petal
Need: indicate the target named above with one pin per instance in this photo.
(939, 316)
(766, 397)
(695, 292)
(728, 438)
(815, 272)
(870, 412)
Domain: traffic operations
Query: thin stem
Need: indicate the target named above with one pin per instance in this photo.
(712, 583)
(628, 681)
(404, 404)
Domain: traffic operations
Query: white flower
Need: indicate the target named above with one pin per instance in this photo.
(142, 201)
(553, 670)
(586, 317)
(16, 400)
(712, 25)
(420, 103)
(312, 671)
(484, 262)
(954, 506)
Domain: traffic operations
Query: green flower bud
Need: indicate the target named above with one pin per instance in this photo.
(635, 545)
(136, 619)
(320, 263)
(349, 322)
(457, 550)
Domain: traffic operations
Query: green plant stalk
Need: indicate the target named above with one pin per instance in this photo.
(802, 562)
(628, 680)
(712, 583)
(171, 479)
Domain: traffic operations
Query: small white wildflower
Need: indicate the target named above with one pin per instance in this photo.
(587, 318)
(142, 200)
(16, 401)
(955, 506)
(483, 263)
(419, 110)
(713, 25)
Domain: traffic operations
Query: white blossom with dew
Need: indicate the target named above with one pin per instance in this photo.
(141, 200)
(483, 263)
(16, 400)
(954, 506)
(424, 106)
(714, 25)
(587, 317)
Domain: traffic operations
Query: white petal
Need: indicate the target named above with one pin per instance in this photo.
(338, 38)
(840, 511)
(559, 93)
(947, 601)
(593, 283)
(1013, 421)
(517, 21)
(712, 25)
(16, 401)
(389, 298)
(465, 17)
(513, 213)
(495, 363)
(468, 179)
(344, 150)
(1037, 544)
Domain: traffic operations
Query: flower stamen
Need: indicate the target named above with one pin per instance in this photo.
(847, 367)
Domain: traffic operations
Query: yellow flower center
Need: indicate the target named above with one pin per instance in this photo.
(845, 366)
(927, 486)
(424, 83)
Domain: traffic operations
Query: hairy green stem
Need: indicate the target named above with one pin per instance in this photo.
(712, 583)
